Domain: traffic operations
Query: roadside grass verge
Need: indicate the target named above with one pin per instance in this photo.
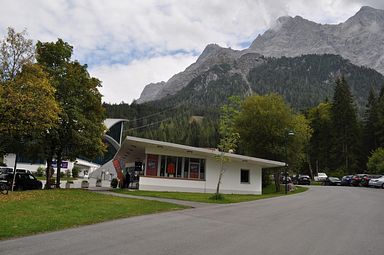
(268, 192)
(30, 212)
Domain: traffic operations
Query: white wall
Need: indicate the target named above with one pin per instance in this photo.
(230, 180)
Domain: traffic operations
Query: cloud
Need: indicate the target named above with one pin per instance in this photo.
(112, 34)
(125, 82)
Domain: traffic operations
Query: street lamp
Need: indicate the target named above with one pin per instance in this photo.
(287, 134)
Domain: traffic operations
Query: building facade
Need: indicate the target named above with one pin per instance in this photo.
(175, 167)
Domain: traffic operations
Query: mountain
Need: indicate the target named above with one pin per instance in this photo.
(359, 39)
(304, 81)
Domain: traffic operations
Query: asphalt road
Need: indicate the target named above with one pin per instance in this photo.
(323, 220)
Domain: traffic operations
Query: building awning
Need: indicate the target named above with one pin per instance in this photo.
(133, 149)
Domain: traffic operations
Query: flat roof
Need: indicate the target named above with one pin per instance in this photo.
(133, 148)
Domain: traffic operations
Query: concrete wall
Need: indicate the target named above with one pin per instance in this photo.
(230, 180)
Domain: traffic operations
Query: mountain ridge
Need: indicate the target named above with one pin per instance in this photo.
(357, 39)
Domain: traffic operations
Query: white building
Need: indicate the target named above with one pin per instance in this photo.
(175, 167)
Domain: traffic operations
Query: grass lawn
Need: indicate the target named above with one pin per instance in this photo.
(268, 192)
(30, 212)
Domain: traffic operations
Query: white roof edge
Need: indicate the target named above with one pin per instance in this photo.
(264, 162)
(110, 122)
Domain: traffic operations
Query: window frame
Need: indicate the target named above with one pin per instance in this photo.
(241, 176)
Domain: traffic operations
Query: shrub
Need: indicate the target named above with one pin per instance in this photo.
(375, 163)
(75, 171)
(114, 183)
(40, 171)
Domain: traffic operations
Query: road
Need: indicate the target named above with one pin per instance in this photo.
(323, 220)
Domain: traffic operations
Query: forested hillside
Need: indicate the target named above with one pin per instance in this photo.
(303, 81)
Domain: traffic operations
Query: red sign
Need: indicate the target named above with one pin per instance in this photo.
(117, 166)
(152, 162)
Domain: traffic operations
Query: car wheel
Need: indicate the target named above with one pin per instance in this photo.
(382, 186)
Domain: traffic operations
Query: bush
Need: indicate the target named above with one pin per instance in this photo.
(114, 183)
(375, 163)
(75, 171)
(40, 171)
(67, 173)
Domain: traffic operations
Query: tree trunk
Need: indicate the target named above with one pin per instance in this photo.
(277, 180)
(220, 176)
(48, 173)
(309, 165)
(58, 165)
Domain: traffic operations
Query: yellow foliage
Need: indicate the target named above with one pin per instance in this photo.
(28, 105)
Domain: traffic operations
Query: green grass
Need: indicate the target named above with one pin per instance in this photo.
(268, 192)
(30, 212)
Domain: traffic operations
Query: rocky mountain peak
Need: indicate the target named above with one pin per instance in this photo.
(366, 16)
(359, 39)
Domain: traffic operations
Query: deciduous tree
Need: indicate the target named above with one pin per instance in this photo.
(80, 127)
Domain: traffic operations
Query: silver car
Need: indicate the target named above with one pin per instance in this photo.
(378, 182)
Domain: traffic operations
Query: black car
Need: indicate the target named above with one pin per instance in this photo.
(332, 181)
(346, 180)
(304, 180)
(23, 181)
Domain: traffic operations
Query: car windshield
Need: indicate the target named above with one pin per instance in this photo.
(334, 179)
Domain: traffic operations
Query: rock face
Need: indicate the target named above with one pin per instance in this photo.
(360, 39)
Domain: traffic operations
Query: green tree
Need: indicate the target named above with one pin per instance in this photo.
(15, 52)
(371, 120)
(80, 127)
(319, 147)
(27, 111)
(379, 125)
(228, 135)
(346, 148)
(263, 124)
(375, 163)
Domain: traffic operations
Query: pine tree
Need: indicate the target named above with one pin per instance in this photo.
(345, 133)
(379, 126)
(319, 148)
(370, 134)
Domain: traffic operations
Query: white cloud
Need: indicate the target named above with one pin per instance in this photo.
(125, 82)
(106, 32)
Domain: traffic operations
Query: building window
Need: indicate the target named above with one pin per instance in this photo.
(202, 169)
(175, 167)
(244, 176)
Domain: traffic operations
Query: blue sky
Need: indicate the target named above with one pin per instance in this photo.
(128, 44)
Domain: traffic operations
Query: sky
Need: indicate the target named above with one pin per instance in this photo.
(128, 44)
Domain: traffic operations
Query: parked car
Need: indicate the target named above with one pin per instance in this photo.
(23, 181)
(9, 170)
(365, 180)
(282, 179)
(304, 180)
(356, 179)
(320, 177)
(332, 181)
(4, 169)
(346, 180)
(378, 182)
